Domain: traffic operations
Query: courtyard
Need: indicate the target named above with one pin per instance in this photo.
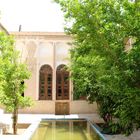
(76, 63)
(35, 118)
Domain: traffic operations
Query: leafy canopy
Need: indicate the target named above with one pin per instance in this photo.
(102, 68)
(12, 74)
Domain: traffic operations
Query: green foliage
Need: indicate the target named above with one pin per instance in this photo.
(12, 73)
(101, 67)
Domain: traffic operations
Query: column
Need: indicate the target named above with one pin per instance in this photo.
(54, 71)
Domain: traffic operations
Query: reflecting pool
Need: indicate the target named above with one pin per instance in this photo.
(65, 130)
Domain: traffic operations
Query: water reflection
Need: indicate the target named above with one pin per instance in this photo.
(65, 130)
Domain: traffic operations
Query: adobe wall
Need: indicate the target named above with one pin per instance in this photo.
(38, 49)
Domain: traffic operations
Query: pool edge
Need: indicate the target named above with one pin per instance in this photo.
(28, 134)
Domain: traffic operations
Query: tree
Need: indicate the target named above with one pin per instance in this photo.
(12, 74)
(101, 67)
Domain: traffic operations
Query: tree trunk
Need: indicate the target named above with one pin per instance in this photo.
(15, 119)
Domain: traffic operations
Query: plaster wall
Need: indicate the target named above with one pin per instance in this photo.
(36, 50)
(40, 107)
(78, 107)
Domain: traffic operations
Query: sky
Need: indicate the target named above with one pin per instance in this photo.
(33, 15)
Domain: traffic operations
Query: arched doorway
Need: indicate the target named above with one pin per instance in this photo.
(45, 83)
(62, 83)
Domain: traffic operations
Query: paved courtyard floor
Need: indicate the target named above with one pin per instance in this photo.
(32, 118)
(134, 136)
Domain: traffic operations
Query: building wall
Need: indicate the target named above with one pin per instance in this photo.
(38, 49)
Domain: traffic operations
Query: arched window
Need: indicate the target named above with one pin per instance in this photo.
(62, 83)
(45, 83)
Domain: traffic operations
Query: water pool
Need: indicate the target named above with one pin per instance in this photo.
(66, 130)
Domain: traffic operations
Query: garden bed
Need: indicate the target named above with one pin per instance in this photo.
(20, 129)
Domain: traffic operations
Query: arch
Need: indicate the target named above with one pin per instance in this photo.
(62, 83)
(31, 48)
(43, 49)
(45, 83)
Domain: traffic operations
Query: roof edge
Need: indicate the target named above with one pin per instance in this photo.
(39, 33)
(4, 29)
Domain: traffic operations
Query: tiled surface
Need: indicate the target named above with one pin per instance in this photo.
(32, 118)
(29, 118)
(35, 118)
(134, 136)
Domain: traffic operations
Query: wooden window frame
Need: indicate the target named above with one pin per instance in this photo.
(62, 84)
(45, 86)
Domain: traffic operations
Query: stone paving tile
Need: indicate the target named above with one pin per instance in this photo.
(134, 136)
(26, 118)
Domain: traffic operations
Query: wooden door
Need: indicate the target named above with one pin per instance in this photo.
(62, 108)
